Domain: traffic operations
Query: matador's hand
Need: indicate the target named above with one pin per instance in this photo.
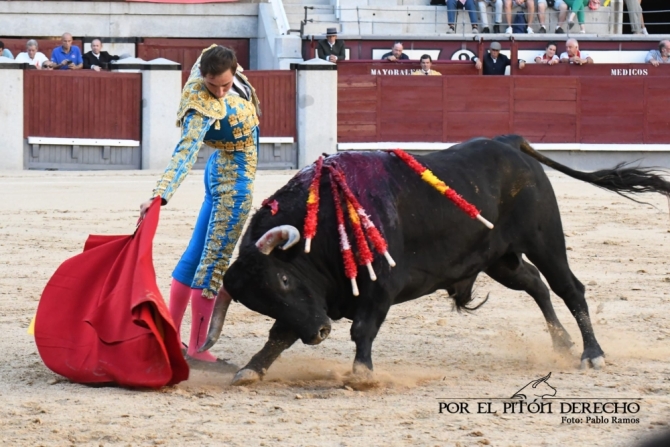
(145, 207)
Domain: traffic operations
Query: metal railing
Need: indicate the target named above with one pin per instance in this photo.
(368, 16)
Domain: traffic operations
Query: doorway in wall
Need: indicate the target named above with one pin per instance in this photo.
(656, 15)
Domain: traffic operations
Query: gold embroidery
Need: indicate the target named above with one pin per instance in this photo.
(195, 96)
(185, 154)
(223, 237)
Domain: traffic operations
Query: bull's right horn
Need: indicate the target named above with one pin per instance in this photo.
(275, 236)
(223, 300)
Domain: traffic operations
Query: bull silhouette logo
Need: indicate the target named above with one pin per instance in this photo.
(535, 390)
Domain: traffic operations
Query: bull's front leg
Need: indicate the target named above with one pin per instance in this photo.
(280, 339)
(368, 319)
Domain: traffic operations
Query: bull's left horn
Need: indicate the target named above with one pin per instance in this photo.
(223, 300)
(275, 236)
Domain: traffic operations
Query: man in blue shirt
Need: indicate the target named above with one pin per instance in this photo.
(4, 52)
(66, 57)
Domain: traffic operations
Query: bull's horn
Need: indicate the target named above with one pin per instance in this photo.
(275, 236)
(218, 318)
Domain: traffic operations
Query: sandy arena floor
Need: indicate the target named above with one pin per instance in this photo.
(424, 351)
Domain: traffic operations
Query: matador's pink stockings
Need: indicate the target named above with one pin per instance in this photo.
(180, 294)
(201, 313)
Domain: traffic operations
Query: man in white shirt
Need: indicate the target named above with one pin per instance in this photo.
(572, 54)
(32, 56)
(549, 56)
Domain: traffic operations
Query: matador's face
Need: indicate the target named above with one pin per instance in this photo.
(219, 85)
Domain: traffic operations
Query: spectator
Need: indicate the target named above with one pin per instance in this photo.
(32, 56)
(644, 28)
(96, 58)
(558, 5)
(468, 5)
(66, 57)
(525, 4)
(395, 54)
(4, 52)
(494, 62)
(635, 16)
(660, 56)
(426, 63)
(330, 48)
(577, 7)
(485, 17)
(549, 56)
(572, 54)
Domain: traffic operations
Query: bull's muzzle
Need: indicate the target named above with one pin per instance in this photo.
(321, 335)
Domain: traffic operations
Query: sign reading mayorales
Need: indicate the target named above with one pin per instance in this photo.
(539, 397)
(392, 71)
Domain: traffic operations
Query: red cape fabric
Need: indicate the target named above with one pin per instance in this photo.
(102, 319)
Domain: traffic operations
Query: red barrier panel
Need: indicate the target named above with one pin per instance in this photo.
(276, 92)
(187, 51)
(82, 104)
(613, 70)
(545, 109)
(403, 68)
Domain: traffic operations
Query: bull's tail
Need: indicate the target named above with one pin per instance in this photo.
(621, 179)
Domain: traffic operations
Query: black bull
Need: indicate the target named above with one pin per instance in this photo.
(436, 246)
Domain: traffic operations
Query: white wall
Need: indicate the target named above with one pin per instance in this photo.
(11, 119)
(128, 19)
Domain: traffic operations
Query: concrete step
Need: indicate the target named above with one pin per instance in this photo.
(321, 21)
(319, 29)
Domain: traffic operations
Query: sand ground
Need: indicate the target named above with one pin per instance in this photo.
(425, 351)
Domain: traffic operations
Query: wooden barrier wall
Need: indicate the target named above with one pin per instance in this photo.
(551, 109)
(187, 51)
(276, 92)
(82, 104)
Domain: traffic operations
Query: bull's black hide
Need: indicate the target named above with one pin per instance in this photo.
(436, 246)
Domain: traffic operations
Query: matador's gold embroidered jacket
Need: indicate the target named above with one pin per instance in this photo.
(229, 124)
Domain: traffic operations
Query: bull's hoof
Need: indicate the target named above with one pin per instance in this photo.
(596, 363)
(246, 377)
(361, 378)
(563, 345)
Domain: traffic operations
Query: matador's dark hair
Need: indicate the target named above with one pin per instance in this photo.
(218, 60)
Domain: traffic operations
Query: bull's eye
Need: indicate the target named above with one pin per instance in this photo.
(283, 281)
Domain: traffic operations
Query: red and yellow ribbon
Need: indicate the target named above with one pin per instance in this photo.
(370, 230)
(430, 178)
(350, 269)
(312, 206)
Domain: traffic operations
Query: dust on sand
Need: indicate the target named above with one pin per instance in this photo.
(424, 351)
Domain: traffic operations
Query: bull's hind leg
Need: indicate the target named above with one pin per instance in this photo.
(550, 258)
(513, 272)
(281, 338)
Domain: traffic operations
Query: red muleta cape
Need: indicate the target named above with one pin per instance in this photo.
(102, 319)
